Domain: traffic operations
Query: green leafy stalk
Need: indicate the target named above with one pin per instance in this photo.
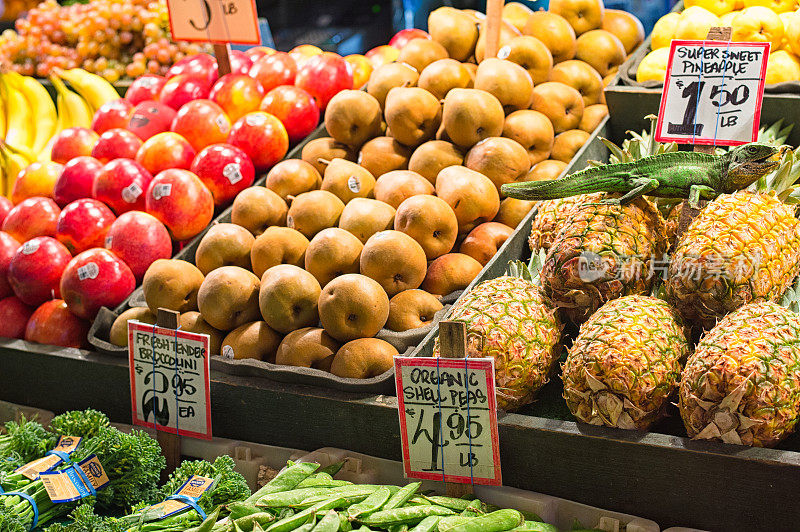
(23, 442)
(79, 423)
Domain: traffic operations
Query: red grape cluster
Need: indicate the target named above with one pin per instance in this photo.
(112, 38)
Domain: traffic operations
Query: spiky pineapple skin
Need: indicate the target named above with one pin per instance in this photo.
(742, 383)
(512, 321)
(741, 248)
(602, 252)
(625, 363)
(550, 215)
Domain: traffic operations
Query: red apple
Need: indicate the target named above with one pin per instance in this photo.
(113, 114)
(95, 278)
(262, 137)
(83, 224)
(35, 270)
(402, 37)
(202, 123)
(150, 118)
(73, 142)
(237, 94)
(14, 316)
(121, 185)
(225, 170)
(76, 180)
(181, 89)
(382, 55)
(165, 151)
(257, 52)
(199, 66)
(303, 53)
(116, 144)
(240, 62)
(274, 70)
(5, 207)
(139, 239)
(8, 246)
(323, 76)
(295, 108)
(53, 324)
(33, 217)
(37, 179)
(146, 87)
(181, 202)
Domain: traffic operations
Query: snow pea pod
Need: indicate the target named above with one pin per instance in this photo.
(294, 521)
(248, 522)
(457, 505)
(447, 523)
(286, 499)
(498, 521)
(473, 509)
(328, 523)
(239, 509)
(323, 483)
(333, 468)
(410, 515)
(288, 478)
(371, 504)
(427, 525)
(535, 526)
(403, 494)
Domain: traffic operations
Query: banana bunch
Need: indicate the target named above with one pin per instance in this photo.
(30, 120)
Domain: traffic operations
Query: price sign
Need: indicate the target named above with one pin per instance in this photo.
(216, 21)
(713, 92)
(448, 419)
(170, 382)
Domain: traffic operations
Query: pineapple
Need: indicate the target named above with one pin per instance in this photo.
(673, 220)
(603, 252)
(511, 320)
(742, 384)
(625, 363)
(550, 216)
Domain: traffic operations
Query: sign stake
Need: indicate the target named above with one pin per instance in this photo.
(170, 443)
(494, 20)
(222, 53)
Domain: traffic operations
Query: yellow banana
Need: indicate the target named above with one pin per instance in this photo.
(45, 155)
(44, 110)
(94, 89)
(20, 126)
(13, 164)
(2, 117)
(73, 111)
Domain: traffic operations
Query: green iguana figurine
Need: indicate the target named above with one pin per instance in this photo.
(682, 174)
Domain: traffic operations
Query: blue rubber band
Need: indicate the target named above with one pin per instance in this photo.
(30, 501)
(85, 479)
(189, 501)
(61, 454)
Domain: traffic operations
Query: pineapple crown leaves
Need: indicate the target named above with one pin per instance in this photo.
(638, 146)
(782, 182)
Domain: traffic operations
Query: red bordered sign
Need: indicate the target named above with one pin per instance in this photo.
(170, 380)
(713, 93)
(216, 21)
(448, 419)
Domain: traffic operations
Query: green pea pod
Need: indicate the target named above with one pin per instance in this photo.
(410, 515)
(257, 528)
(344, 523)
(308, 527)
(364, 528)
(283, 513)
(427, 525)
(371, 504)
(286, 499)
(418, 501)
(208, 523)
(403, 494)
(447, 523)
(294, 521)
(323, 483)
(288, 478)
(248, 522)
(535, 526)
(473, 509)
(398, 528)
(240, 509)
(457, 505)
(347, 500)
(333, 468)
(328, 523)
(498, 521)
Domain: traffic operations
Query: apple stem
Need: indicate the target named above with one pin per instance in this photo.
(326, 162)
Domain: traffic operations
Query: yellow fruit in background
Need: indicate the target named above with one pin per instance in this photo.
(695, 23)
(758, 24)
(782, 66)
(664, 30)
(778, 6)
(793, 34)
(727, 19)
(653, 66)
(786, 17)
(718, 7)
(739, 5)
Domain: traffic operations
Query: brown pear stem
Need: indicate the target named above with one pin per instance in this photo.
(326, 162)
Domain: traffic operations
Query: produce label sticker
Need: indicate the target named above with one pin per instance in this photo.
(448, 419)
(75, 482)
(170, 380)
(713, 92)
(66, 446)
(192, 490)
(216, 21)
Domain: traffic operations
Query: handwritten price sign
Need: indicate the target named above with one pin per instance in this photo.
(170, 383)
(713, 93)
(448, 419)
(216, 21)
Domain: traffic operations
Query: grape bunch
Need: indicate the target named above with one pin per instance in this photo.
(112, 38)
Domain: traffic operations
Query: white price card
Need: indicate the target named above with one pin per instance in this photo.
(216, 21)
(448, 419)
(170, 380)
(713, 92)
